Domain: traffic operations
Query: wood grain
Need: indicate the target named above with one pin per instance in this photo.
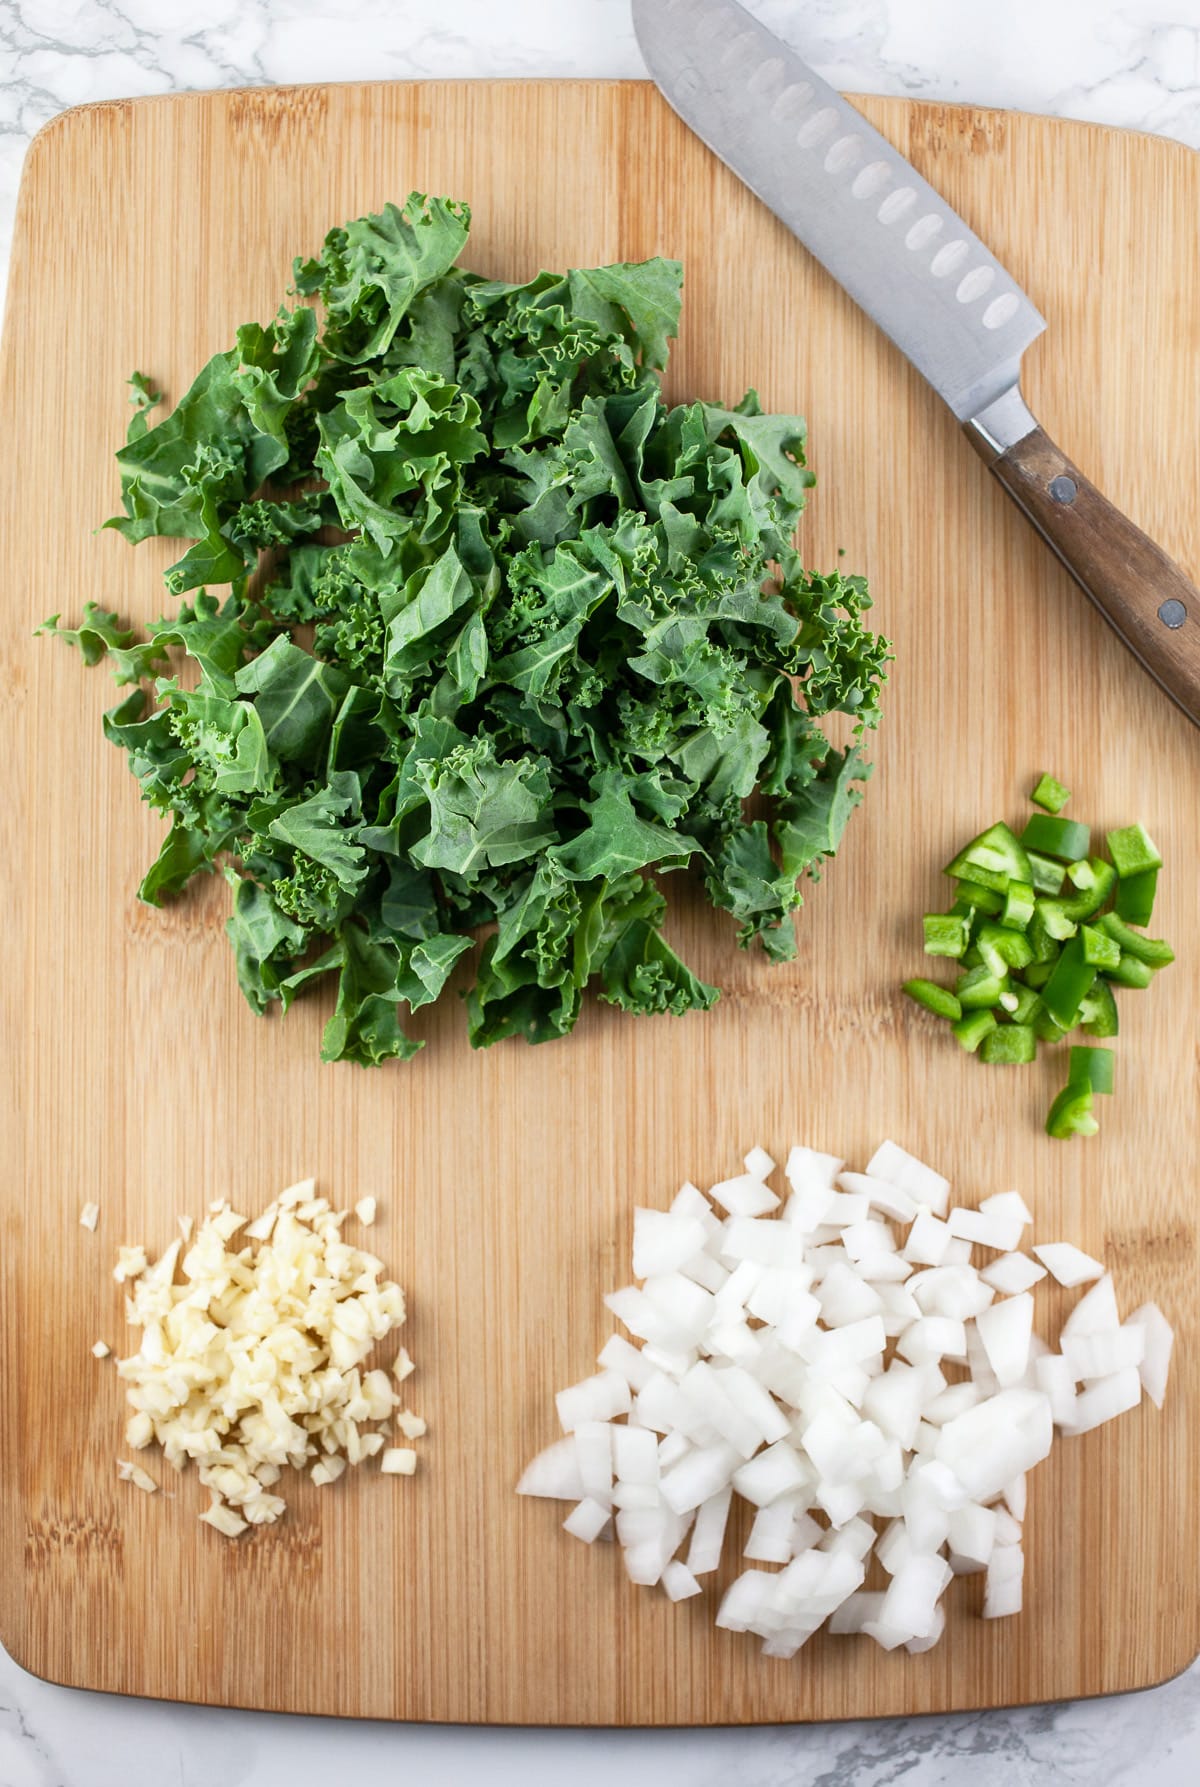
(136, 1075)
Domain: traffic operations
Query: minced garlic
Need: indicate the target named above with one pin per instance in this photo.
(251, 1355)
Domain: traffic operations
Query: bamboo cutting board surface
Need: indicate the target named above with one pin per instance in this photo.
(136, 1075)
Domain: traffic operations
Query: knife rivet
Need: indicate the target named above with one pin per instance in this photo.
(1063, 490)
(1172, 613)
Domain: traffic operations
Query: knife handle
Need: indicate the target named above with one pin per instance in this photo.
(1140, 591)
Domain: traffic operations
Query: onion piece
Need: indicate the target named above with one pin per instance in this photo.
(1006, 1330)
(586, 1521)
(1068, 1264)
(679, 1582)
(1156, 1360)
(1012, 1273)
(923, 1185)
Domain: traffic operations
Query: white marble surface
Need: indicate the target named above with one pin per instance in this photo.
(1128, 62)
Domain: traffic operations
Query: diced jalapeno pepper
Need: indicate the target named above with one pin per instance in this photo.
(1018, 906)
(1133, 850)
(1098, 947)
(1099, 1011)
(979, 989)
(1152, 950)
(1050, 794)
(1064, 838)
(1135, 897)
(1091, 1067)
(1067, 986)
(994, 859)
(973, 1027)
(946, 934)
(938, 1000)
(1009, 1046)
(1071, 1113)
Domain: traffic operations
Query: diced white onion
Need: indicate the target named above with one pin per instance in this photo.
(679, 1582)
(1095, 1313)
(758, 1163)
(1008, 1203)
(997, 1228)
(927, 1240)
(1012, 1273)
(1006, 1330)
(744, 1196)
(586, 1521)
(1002, 1588)
(597, 1398)
(1068, 1264)
(1104, 1400)
(1156, 1360)
(1092, 1356)
(662, 1242)
(794, 1357)
(923, 1185)
(708, 1532)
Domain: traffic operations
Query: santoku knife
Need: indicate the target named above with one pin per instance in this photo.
(930, 284)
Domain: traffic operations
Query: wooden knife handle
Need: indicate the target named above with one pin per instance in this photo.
(1138, 589)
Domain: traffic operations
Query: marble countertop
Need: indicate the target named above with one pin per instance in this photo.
(1126, 62)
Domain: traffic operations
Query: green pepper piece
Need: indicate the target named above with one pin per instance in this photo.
(993, 859)
(973, 1027)
(1048, 876)
(1152, 950)
(1011, 1045)
(1045, 947)
(1044, 1027)
(1027, 1006)
(1099, 1011)
(1135, 897)
(1018, 906)
(978, 897)
(1038, 973)
(1050, 794)
(1081, 875)
(938, 1000)
(1062, 913)
(1056, 921)
(1101, 950)
(1091, 1067)
(1001, 949)
(979, 989)
(1133, 850)
(1064, 838)
(1087, 900)
(945, 934)
(1067, 986)
(1071, 1113)
(1131, 971)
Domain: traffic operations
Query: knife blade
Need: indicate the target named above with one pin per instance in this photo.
(930, 284)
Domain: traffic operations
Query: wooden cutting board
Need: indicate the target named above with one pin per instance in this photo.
(136, 1075)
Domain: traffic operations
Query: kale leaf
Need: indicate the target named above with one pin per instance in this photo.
(505, 639)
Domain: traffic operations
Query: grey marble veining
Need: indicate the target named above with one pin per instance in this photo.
(1127, 62)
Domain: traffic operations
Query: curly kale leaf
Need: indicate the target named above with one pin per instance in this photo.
(506, 638)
